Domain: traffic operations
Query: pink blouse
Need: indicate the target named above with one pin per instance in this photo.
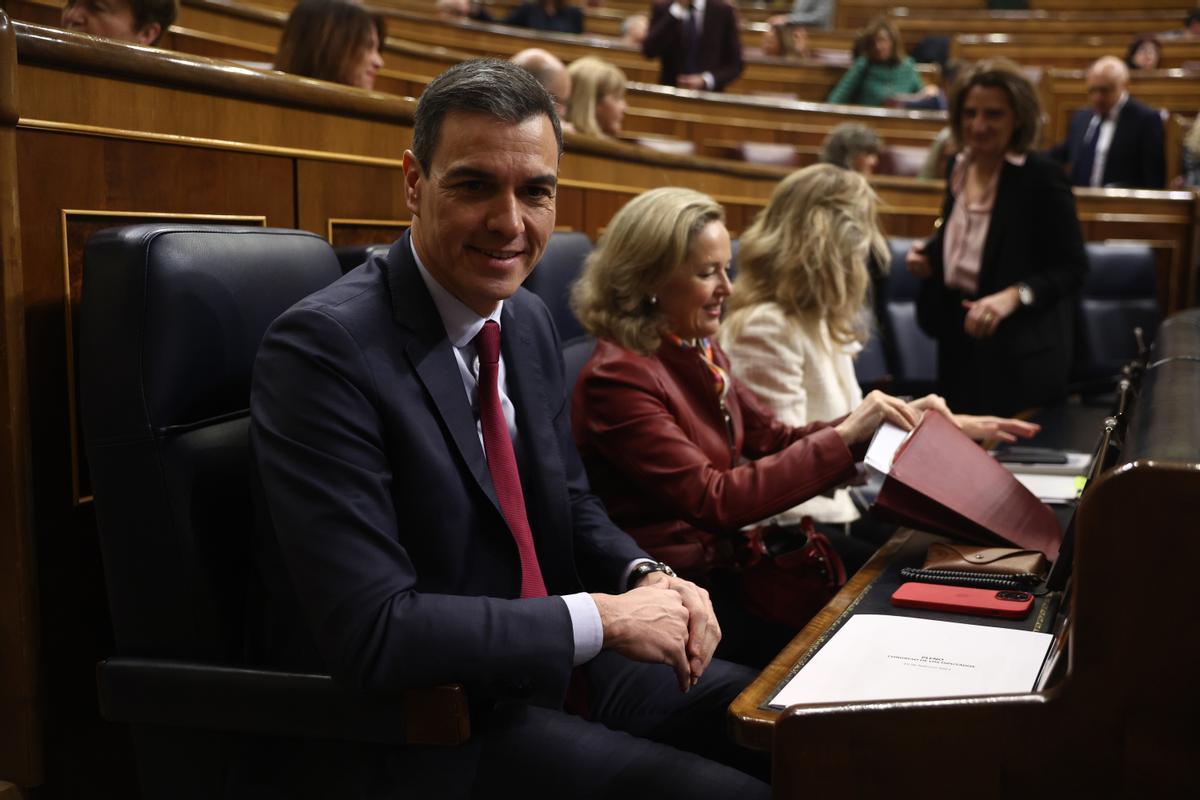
(967, 227)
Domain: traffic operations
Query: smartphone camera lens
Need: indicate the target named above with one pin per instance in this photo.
(1016, 597)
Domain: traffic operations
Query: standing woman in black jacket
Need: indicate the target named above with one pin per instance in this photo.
(1003, 274)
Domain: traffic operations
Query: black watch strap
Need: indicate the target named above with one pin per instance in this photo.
(645, 568)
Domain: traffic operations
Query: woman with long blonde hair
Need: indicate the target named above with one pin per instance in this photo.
(799, 314)
(597, 105)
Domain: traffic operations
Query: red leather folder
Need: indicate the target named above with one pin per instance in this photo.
(943, 482)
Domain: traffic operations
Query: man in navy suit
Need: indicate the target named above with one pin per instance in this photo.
(697, 41)
(1119, 142)
(430, 520)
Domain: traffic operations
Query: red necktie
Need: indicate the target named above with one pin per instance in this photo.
(502, 463)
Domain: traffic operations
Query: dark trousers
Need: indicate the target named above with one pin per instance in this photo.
(645, 738)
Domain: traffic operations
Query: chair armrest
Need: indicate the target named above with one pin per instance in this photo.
(143, 691)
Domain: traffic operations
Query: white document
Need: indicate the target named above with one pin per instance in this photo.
(1051, 488)
(883, 447)
(883, 657)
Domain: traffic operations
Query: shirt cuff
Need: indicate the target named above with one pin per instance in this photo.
(677, 11)
(585, 625)
(629, 571)
(709, 81)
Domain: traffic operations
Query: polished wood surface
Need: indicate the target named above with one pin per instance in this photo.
(1117, 717)
(916, 23)
(21, 756)
(1066, 52)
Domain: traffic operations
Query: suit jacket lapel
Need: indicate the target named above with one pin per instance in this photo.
(432, 357)
(1007, 196)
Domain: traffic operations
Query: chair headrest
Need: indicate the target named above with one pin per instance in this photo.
(173, 316)
(1121, 271)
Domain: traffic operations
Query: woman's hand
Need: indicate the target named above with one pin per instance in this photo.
(1001, 428)
(917, 262)
(985, 314)
(875, 409)
(932, 402)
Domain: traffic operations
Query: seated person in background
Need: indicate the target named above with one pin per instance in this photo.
(424, 517)
(697, 42)
(934, 96)
(136, 21)
(462, 9)
(1144, 52)
(683, 456)
(1001, 277)
(852, 146)
(937, 160)
(1119, 142)
(796, 321)
(880, 70)
(597, 105)
(634, 29)
(1191, 156)
(786, 41)
(332, 40)
(550, 73)
(1190, 29)
(558, 16)
(807, 14)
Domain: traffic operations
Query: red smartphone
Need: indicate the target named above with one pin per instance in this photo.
(1007, 603)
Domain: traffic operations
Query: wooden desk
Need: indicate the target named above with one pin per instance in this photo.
(752, 723)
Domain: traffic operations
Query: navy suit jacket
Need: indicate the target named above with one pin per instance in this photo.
(387, 560)
(720, 45)
(1135, 157)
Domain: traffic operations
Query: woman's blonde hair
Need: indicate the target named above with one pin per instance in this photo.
(591, 80)
(645, 242)
(1192, 139)
(807, 251)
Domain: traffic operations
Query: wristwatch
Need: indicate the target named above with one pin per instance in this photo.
(1025, 294)
(645, 568)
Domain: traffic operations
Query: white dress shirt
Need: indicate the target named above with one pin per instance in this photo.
(1107, 128)
(462, 324)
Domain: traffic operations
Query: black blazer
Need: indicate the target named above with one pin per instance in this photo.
(1135, 157)
(388, 561)
(1033, 237)
(720, 46)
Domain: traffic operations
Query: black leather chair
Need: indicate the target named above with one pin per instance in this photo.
(353, 255)
(916, 352)
(552, 278)
(172, 317)
(1119, 295)
(575, 354)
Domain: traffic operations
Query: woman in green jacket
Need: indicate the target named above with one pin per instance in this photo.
(880, 69)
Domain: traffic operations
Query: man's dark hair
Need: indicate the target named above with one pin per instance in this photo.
(1192, 17)
(161, 11)
(481, 85)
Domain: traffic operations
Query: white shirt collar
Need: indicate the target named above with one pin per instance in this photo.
(461, 323)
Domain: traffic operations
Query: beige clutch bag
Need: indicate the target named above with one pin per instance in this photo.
(985, 560)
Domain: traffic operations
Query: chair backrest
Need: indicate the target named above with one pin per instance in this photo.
(353, 255)
(551, 280)
(575, 354)
(1120, 294)
(172, 318)
(916, 351)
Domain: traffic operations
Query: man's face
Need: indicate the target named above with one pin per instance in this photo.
(1104, 89)
(483, 213)
(111, 18)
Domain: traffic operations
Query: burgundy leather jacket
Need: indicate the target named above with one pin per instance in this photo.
(681, 473)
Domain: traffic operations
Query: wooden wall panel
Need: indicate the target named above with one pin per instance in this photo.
(60, 171)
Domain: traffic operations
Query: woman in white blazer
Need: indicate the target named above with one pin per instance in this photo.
(799, 313)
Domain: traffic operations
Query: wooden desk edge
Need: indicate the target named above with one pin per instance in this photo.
(752, 725)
